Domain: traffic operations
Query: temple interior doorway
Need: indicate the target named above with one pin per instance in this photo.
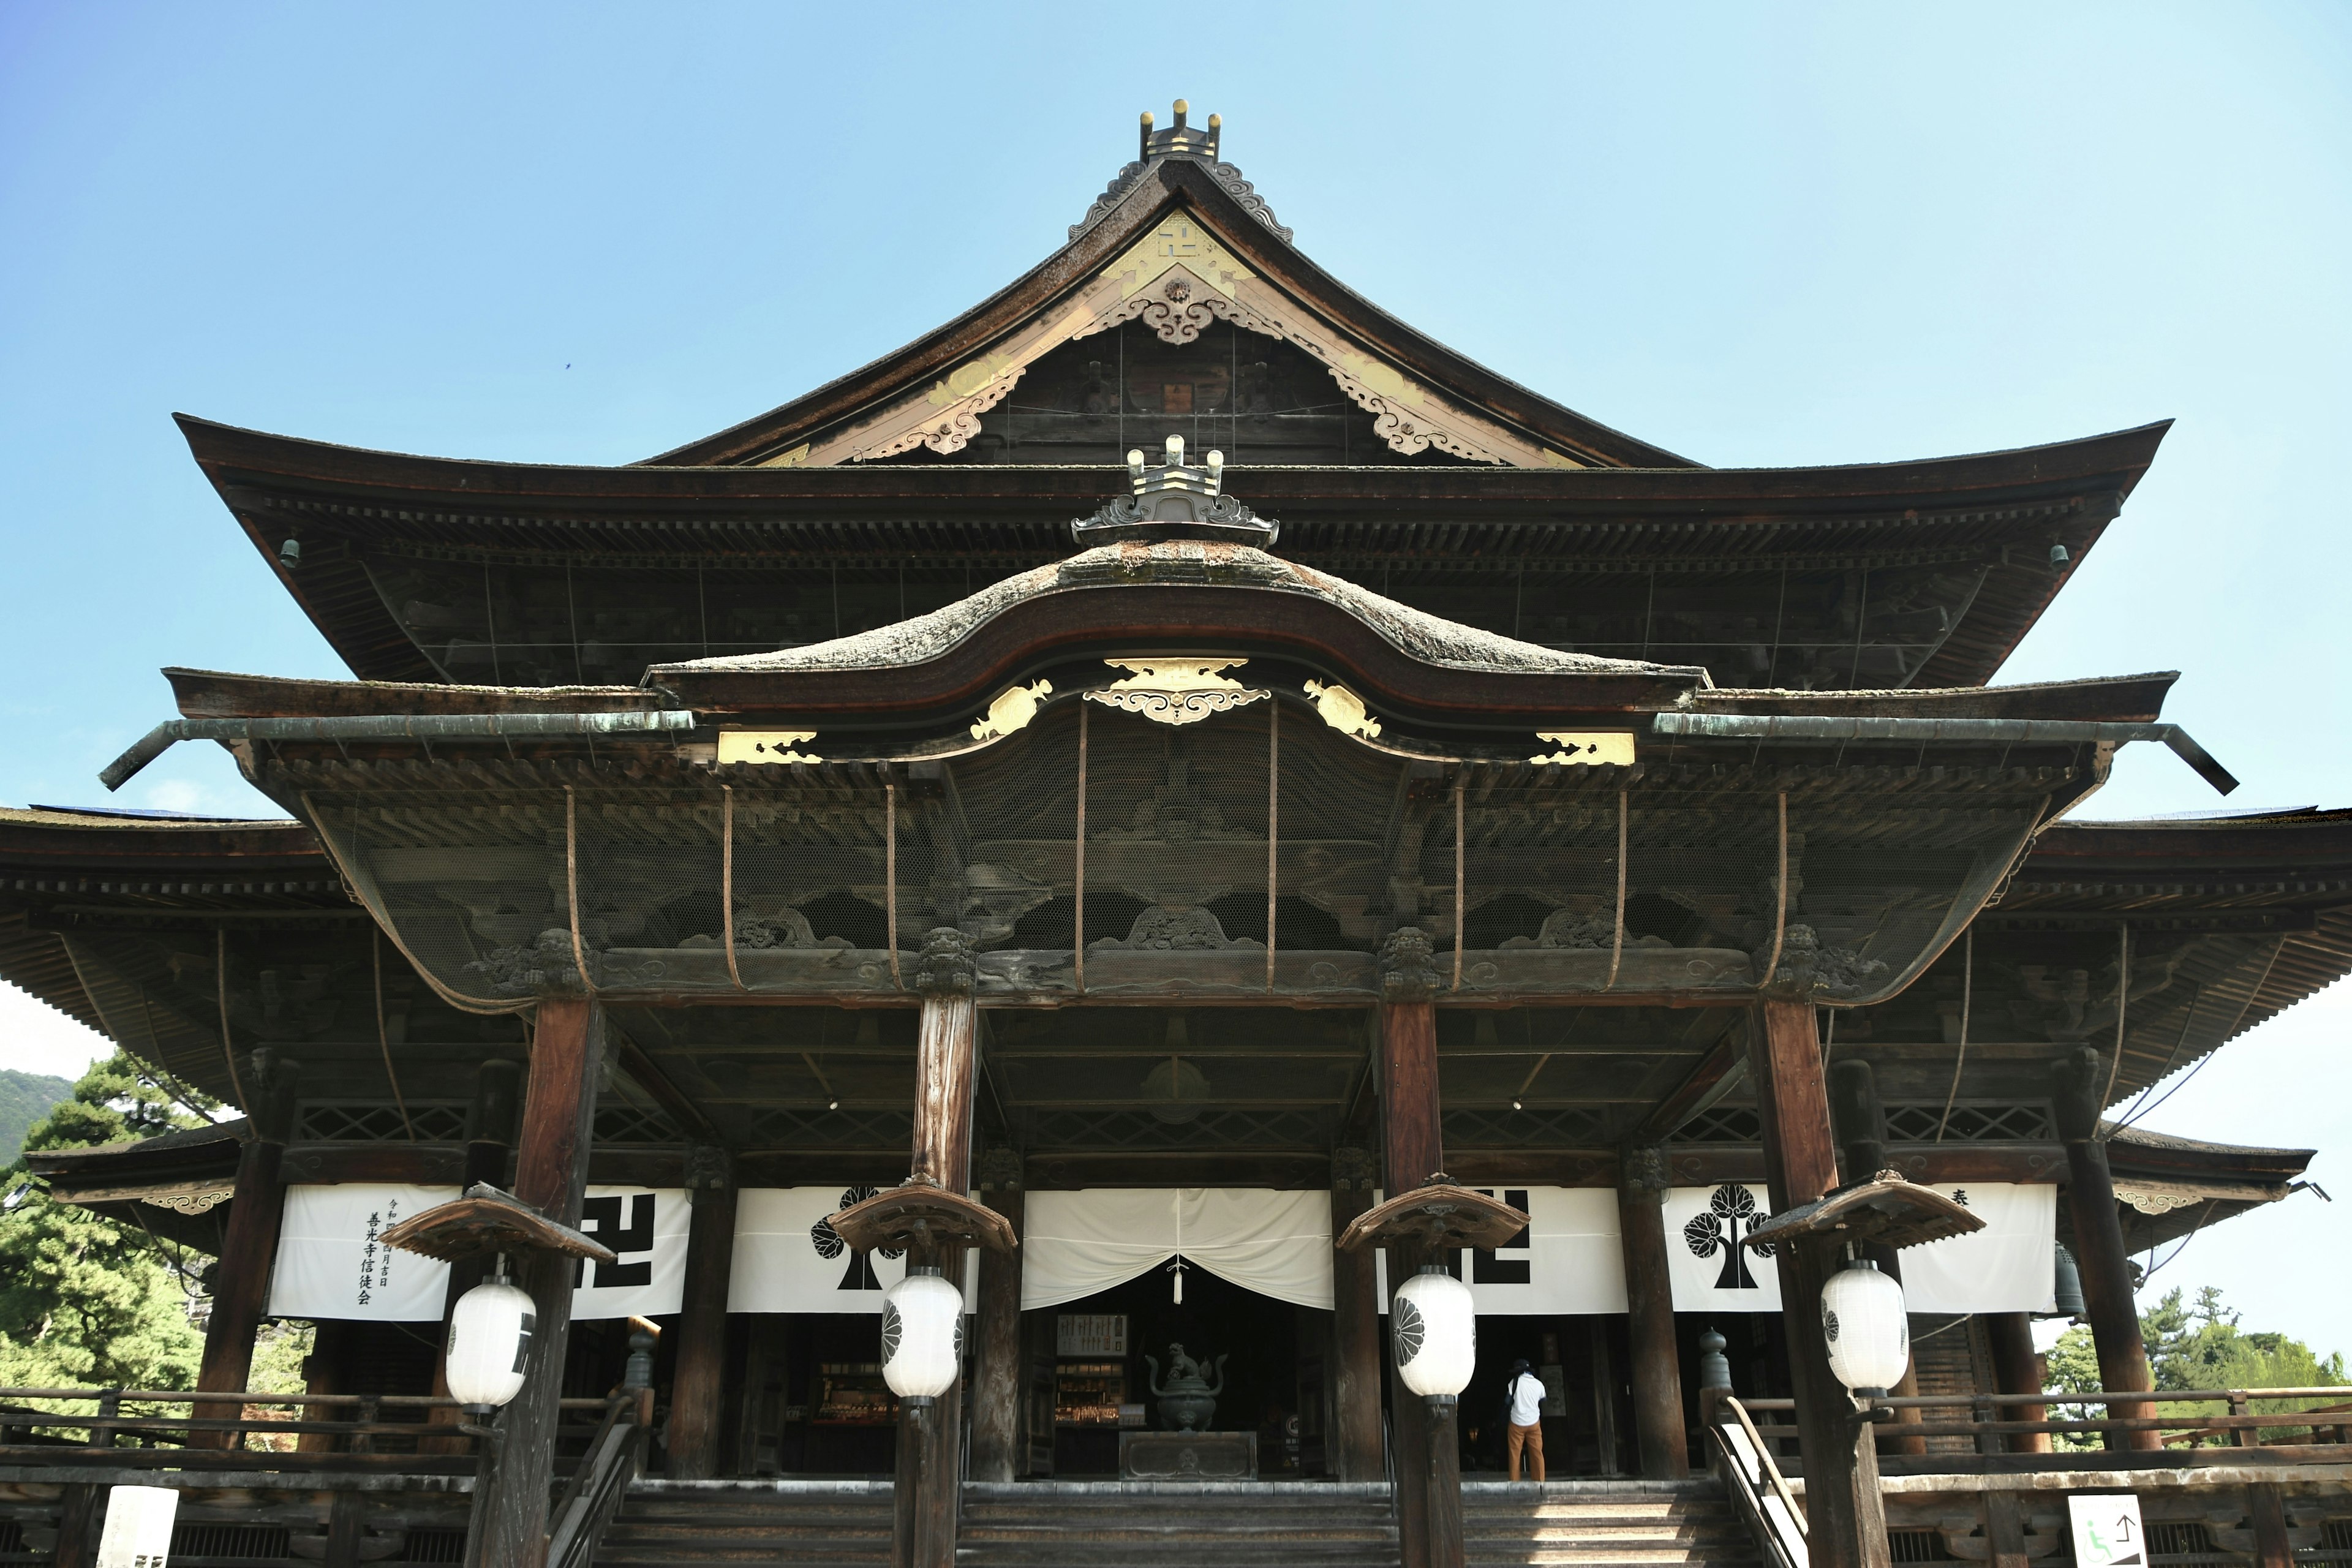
(1273, 1375)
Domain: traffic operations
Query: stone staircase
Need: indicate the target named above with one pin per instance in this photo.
(803, 1524)
(1159, 1524)
(1175, 1524)
(1622, 1524)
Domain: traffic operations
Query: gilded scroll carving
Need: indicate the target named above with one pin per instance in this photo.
(194, 1202)
(1176, 690)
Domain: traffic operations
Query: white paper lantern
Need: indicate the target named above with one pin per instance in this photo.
(922, 1335)
(1434, 1325)
(1868, 1332)
(489, 1337)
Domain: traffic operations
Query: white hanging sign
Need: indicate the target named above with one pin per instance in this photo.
(332, 1265)
(1708, 1268)
(2007, 1266)
(2010, 1265)
(1570, 1260)
(788, 1260)
(137, 1532)
(647, 1226)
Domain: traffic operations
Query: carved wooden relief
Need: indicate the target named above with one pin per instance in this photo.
(1176, 279)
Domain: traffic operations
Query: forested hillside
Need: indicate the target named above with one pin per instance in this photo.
(25, 1099)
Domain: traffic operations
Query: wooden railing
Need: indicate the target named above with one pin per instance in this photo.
(1742, 1461)
(1983, 1417)
(593, 1497)
(139, 1428)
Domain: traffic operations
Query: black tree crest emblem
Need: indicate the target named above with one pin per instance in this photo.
(859, 1274)
(1718, 1229)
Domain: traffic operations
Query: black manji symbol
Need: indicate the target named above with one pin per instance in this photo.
(1731, 1208)
(859, 1274)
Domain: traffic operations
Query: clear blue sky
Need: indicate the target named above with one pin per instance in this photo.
(1753, 234)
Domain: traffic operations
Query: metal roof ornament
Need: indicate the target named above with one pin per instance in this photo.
(1173, 500)
(1181, 139)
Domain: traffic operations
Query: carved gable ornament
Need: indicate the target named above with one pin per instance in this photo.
(1176, 690)
(1176, 279)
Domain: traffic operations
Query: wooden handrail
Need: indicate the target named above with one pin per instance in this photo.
(1764, 1458)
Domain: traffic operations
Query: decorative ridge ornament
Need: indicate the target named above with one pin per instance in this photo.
(1182, 141)
(1173, 500)
(1176, 690)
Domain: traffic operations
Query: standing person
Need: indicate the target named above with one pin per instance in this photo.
(1523, 1395)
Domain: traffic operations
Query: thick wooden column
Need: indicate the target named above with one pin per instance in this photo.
(240, 1278)
(2017, 1370)
(1413, 1151)
(550, 1175)
(996, 1377)
(697, 1395)
(1659, 1431)
(946, 1063)
(1846, 1521)
(2078, 1078)
(1859, 1120)
(1354, 1451)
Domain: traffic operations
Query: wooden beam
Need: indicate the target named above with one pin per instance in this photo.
(1354, 1452)
(1663, 1439)
(1847, 1523)
(698, 1386)
(1413, 1151)
(996, 1376)
(1729, 1052)
(550, 1175)
(2078, 1080)
(250, 1244)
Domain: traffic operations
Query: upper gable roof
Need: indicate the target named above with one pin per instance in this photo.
(1178, 240)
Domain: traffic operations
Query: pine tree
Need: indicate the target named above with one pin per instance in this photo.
(85, 1300)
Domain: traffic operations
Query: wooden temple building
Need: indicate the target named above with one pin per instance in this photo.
(1172, 760)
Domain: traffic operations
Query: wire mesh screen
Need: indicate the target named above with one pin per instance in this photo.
(1176, 859)
(995, 849)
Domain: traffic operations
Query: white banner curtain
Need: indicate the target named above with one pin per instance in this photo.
(1076, 1244)
(787, 1259)
(2008, 1267)
(1570, 1260)
(330, 1266)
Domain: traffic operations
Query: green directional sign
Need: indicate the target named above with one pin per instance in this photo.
(2107, 1531)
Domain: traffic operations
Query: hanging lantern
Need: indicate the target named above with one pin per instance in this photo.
(1869, 1333)
(1434, 1327)
(2066, 1285)
(922, 1334)
(489, 1337)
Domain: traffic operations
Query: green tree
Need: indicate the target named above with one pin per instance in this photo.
(85, 1300)
(2201, 1346)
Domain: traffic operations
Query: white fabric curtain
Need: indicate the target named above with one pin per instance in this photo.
(1569, 1258)
(2010, 1265)
(1078, 1242)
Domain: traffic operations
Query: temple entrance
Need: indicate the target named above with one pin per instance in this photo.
(1273, 1375)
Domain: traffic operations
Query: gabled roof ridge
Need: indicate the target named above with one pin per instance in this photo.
(1164, 182)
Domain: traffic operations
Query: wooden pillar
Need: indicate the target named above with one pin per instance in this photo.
(2017, 1370)
(550, 1175)
(1859, 1120)
(697, 1396)
(1845, 1518)
(2266, 1511)
(1413, 1152)
(946, 1063)
(1664, 1441)
(240, 1278)
(1354, 1451)
(2078, 1078)
(996, 1377)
